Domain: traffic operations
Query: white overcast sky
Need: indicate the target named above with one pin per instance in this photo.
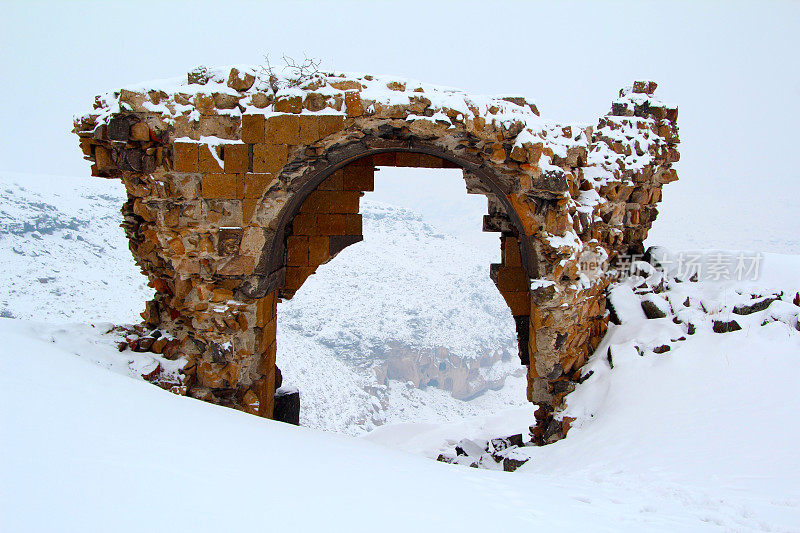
(733, 68)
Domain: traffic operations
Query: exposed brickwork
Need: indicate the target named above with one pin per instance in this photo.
(237, 194)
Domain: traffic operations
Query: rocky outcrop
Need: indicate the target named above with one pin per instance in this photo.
(463, 378)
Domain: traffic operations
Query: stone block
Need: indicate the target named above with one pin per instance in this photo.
(240, 81)
(353, 224)
(518, 302)
(239, 265)
(288, 104)
(332, 224)
(305, 224)
(338, 202)
(297, 251)
(222, 212)
(208, 161)
(269, 158)
(253, 241)
(237, 158)
(248, 209)
(512, 280)
(198, 76)
(102, 158)
(430, 161)
(265, 310)
(346, 85)
(352, 102)
(225, 100)
(204, 103)
(315, 101)
(407, 159)
(140, 132)
(334, 182)
(329, 124)
(283, 129)
(358, 178)
(253, 129)
(318, 250)
(386, 159)
(223, 186)
(646, 87)
(228, 241)
(255, 185)
(222, 126)
(119, 128)
(296, 276)
(185, 157)
(86, 146)
(260, 100)
(309, 129)
(340, 242)
(511, 255)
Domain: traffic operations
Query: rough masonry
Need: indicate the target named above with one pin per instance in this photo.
(242, 181)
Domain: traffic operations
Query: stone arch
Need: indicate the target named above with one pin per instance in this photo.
(504, 221)
(216, 169)
(478, 180)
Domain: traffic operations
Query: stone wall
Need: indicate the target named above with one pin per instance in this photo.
(241, 182)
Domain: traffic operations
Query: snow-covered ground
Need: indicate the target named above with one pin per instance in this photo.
(701, 437)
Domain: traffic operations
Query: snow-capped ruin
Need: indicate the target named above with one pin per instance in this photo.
(241, 181)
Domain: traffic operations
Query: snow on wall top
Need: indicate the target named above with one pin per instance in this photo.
(242, 89)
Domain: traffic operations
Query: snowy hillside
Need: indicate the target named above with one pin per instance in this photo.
(701, 437)
(402, 326)
(62, 252)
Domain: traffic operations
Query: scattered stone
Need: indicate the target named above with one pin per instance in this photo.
(470, 448)
(154, 372)
(498, 445)
(664, 348)
(721, 326)
(651, 310)
(760, 305)
(512, 461)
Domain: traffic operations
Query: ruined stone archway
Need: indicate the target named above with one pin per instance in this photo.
(222, 173)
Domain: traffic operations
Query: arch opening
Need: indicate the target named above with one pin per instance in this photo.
(413, 356)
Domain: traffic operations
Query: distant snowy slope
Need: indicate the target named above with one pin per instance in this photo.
(404, 281)
(62, 252)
